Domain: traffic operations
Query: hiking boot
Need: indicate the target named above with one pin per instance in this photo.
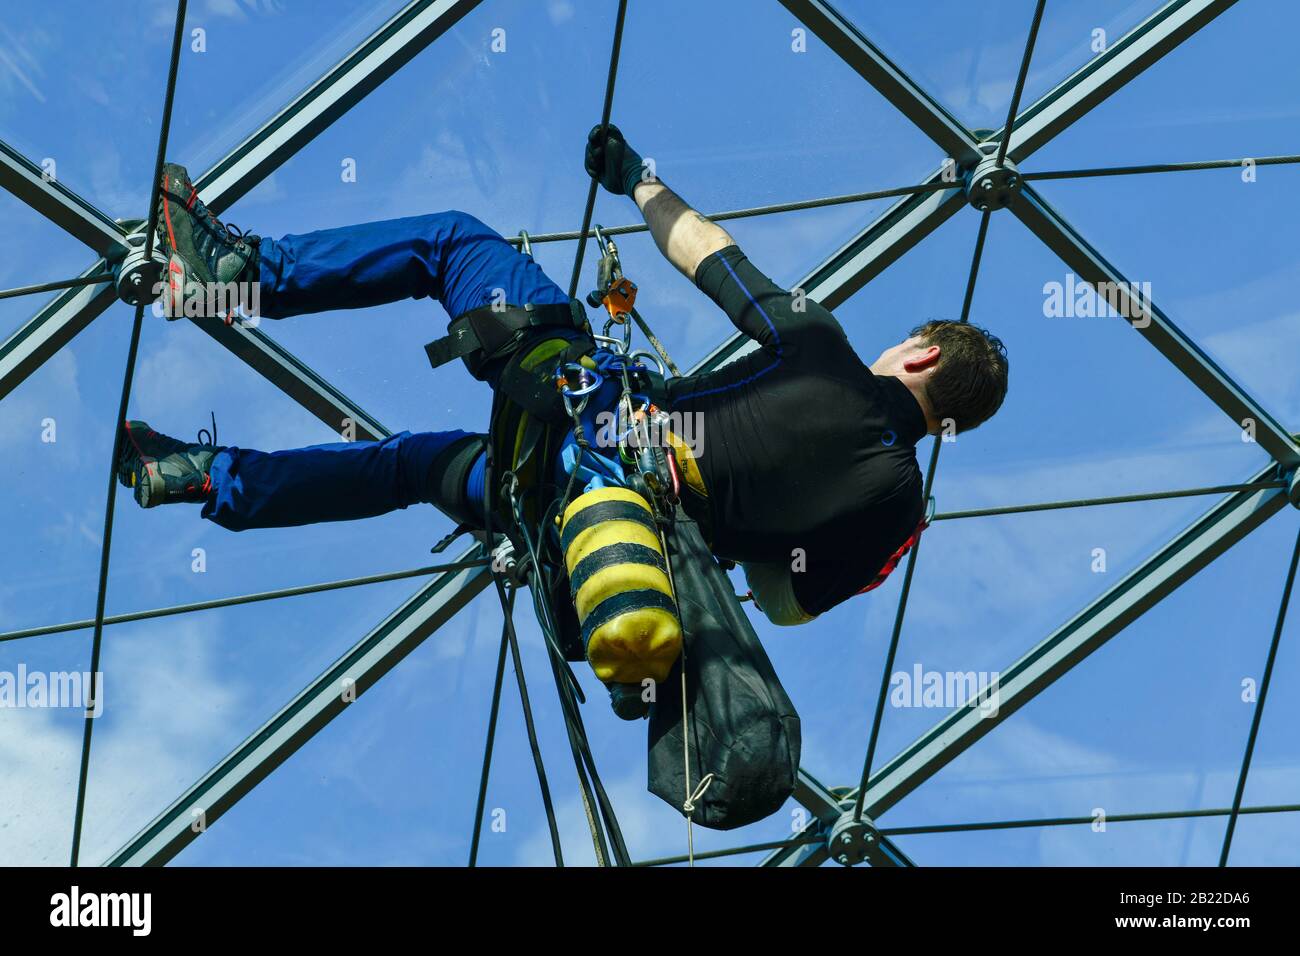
(162, 470)
(211, 265)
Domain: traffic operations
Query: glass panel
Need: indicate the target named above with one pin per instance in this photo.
(496, 142)
(33, 251)
(985, 591)
(183, 378)
(1266, 839)
(395, 779)
(1072, 425)
(967, 56)
(182, 692)
(1270, 840)
(490, 119)
(1214, 245)
(55, 443)
(263, 55)
(40, 743)
(1226, 92)
(1153, 721)
(1142, 843)
(72, 63)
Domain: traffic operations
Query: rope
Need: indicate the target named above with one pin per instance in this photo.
(752, 211)
(797, 840)
(128, 376)
(1159, 168)
(692, 796)
(806, 838)
(658, 346)
(245, 599)
(580, 746)
(491, 739)
(56, 286)
(918, 189)
(1259, 706)
(1112, 500)
(604, 122)
(1080, 821)
(508, 626)
(1014, 109)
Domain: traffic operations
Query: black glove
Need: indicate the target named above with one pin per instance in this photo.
(612, 161)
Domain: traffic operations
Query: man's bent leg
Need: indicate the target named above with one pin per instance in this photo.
(347, 480)
(448, 256)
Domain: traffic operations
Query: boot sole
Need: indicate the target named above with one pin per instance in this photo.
(149, 488)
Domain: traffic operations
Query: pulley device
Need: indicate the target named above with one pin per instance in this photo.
(614, 291)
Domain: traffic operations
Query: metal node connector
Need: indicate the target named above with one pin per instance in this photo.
(138, 277)
(990, 186)
(850, 841)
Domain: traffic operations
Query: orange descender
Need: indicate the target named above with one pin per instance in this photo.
(615, 291)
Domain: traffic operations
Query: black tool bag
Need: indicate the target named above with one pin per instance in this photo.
(744, 728)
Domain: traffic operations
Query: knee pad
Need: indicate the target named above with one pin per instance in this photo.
(452, 468)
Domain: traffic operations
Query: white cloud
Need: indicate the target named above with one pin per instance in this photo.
(167, 714)
(560, 11)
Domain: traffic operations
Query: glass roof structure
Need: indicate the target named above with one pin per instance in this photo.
(1116, 548)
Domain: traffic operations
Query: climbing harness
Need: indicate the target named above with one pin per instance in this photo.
(905, 547)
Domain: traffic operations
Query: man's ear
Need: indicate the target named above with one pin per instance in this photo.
(922, 359)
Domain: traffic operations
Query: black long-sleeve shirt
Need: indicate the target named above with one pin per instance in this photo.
(808, 457)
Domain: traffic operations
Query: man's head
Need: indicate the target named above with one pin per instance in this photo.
(956, 370)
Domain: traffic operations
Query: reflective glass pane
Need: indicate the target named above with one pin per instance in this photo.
(41, 724)
(55, 443)
(967, 56)
(101, 70)
(1092, 409)
(33, 251)
(394, 780)
(1155, 720)
(491, 119)
(494, 141)
(183, 692)
(1214, 245)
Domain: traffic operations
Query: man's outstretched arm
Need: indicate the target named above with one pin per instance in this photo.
(684, 236)
(706, 253)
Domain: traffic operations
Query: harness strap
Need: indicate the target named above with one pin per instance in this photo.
(897, 556)
(489, 329)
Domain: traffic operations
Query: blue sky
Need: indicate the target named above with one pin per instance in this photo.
(713, 92)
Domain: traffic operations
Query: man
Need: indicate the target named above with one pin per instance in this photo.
(806, 473)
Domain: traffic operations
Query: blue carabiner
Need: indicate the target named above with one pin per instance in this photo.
(592, 378)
